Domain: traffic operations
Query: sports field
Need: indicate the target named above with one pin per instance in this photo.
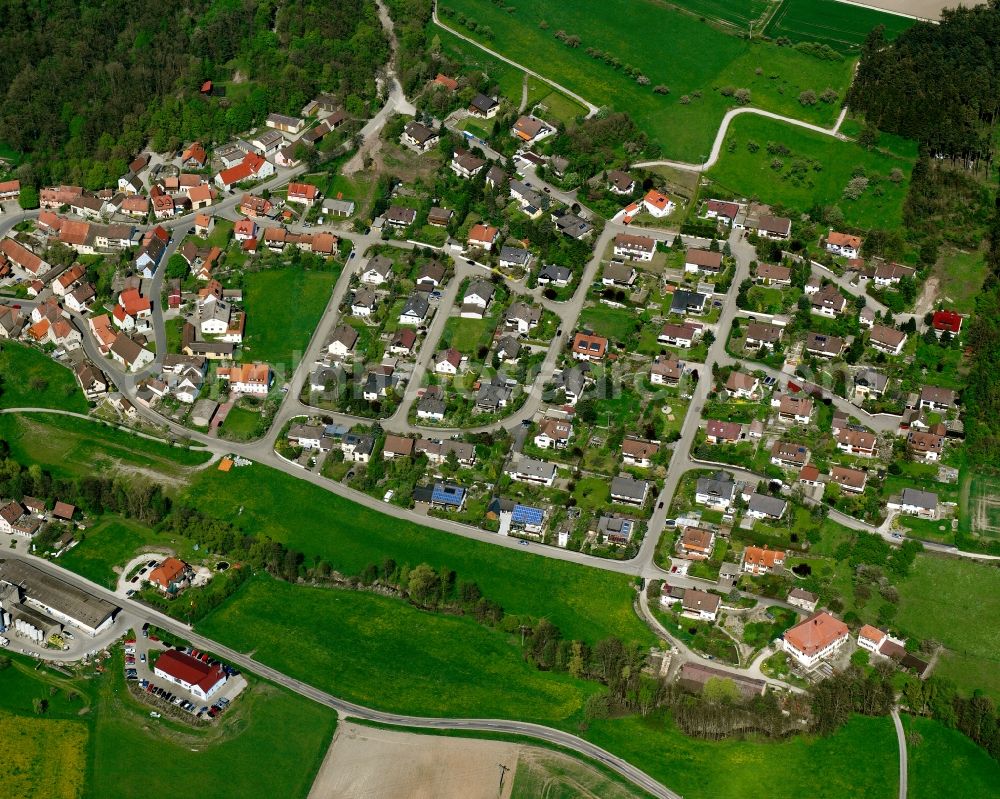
(694, 60)
(839, 25)
(812, 169)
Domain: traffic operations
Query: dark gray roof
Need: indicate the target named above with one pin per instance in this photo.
(772, 506)
(720, 484)
(514, 255)
(629, 487)
(416, 305)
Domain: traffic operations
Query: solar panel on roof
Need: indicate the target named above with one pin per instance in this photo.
(450, 495)
(523, 514)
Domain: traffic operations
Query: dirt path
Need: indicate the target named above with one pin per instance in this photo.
(927, 297)
(370, 763)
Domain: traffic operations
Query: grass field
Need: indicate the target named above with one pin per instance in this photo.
(71, 447)
(695, 59)
(381, 652)
(857, 760)
(733, 12)
(841, 26)
(31, 379)
(584, 602)
(816, 172)
(937, 593)
(960, 276)
(616, 324)
(43, 758)
(241, 422)
(508, 78)
(283, 308)
(270, 743)
(943, 762)
(113, 542)
(467, 335)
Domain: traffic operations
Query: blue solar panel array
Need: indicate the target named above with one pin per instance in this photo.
(448, 494)
(524, 514)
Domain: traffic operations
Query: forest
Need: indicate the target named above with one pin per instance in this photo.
(85, 85)
(937, 84)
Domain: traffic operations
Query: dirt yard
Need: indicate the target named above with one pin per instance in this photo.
(918, 9)
(369, 763)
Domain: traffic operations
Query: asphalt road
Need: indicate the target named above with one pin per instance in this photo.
(901, 738)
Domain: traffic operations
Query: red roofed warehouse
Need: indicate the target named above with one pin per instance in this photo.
(189, 673)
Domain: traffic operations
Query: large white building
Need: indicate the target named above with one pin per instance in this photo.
(191, 674)
(815, 639)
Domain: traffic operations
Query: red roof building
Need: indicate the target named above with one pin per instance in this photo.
(190, 673)
(947, 320)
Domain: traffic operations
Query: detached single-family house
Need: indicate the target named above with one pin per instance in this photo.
(933, 398)
(700, 604)
(683, 336)
(705, 262)
(483, 107)
(342, 341)
(465, 164)
(515, 258)
(665, 371)
(364, 302)
(551, 274)
(419, 136)
(637, 452)
(377, 271)
(618, 274)
(852, 480)
(716, 491)
(483, 236)
(629, 491)
(762, 334)
(657, 204)
(399, 217)
(843, 244)
(719, 432)
(828, 301)
(448, 362)
(857, 442)
(415, 310)
(588, 347)
(553, 433)
(620, 183)
(522, 318)
(761, 560)
(696, 543)
(887, 339)
(773, 275)
(914, 502)
(764, 506)
(789, 455)
(926, 447)
(638, 248)
(725, 212)
(801, 598)
(530, 129)
(530, 470)
(793, 410)
(742, 385)
(823, 346)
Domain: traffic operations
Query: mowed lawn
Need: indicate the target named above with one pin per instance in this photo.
(584, 602)
(467, 335)
(859, 760)
(384, 653)
(283, 308)
(71, 447)
(815, 171)
(841, 26)
(943, 762)
(937, 592)
(616, 324)
(31, 379)
(669, 47)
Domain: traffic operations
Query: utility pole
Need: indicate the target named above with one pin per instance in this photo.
(503, 772)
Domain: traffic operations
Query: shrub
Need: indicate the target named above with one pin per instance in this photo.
(807, 97)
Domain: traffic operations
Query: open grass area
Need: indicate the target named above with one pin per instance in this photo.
(943, 762)
(508, 78)
(72, 447)
(616, 324)
(467, 335)
(815, 171)
(114, 541)
(737, 13)
(283, 308)
(583, 602)
(801, 766)
(269, 743)
(960, 277)
(31, 379)
(382, 652)
(839, 25)
(937, 592)
(695, 63)
(241, 422)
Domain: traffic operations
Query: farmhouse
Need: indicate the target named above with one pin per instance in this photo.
(816, 638)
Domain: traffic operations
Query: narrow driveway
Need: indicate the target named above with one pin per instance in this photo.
(901, 738)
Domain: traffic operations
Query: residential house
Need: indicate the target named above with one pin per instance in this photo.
(843, 244)
(946, 321)
(252, 167)
(823, 346)
(559, 276)
(439, 451)
(483, 106)
(761, 560)
(419, 136)
(530, 129)
(431, 406)
(638, 452)
(704, 262)
(363, 303)
(399, 217)
(508, 350)
(615, 529)
(761, 334)
(801, 598)
(377, 271)
(402, 342)
(522, 318)
(719, 432)
(466, 165)
(725, 212)
(248, 378)
(130, 353)
(890, 274)
(773, 275)
(10, 190)
(716, 491)
(684, 301)
(530, 470)
(629, 491)
(657, 204)
(515, 258)
(339, 207)
(913, 502)
(637, 248)
(569, 224)
(665, 371)
(378, 383)
(397, 447)
(869, 383)
(483, 236)
(588, 347)
(857, 442)
(253, 206)
(430, 276)
(815, 639)
(194, 156)
(852, 480)
(696, 543)
(245, 230)
(887, 339)
(793, 410)
(342, 341)
(554, 433)
(933, 398)
(80, 298)
(415, 310)
(439, 217)
(764, 506)
(742, 385)
(493, 395)
(495, 177)
(92, 380)
(619, 274)
(927, 447)
(448, 362)
(828, 301)
(477, 297)
(683, 336)
(357, 447)
(620, 183)
(700, 604)
(789, 455)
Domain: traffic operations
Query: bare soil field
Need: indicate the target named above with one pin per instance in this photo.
(370, 763)
(917, 9)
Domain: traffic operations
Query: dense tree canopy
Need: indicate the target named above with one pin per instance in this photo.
(85, 84)
(938, 84)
